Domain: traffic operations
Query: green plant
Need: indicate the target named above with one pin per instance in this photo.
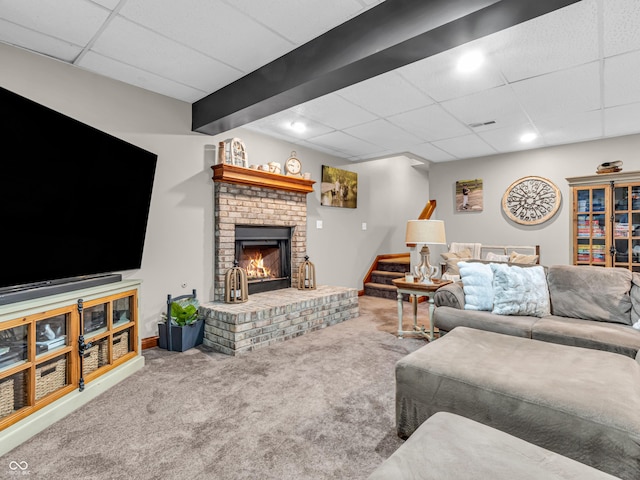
(184, 313)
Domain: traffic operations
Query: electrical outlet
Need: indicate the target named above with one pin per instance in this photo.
(364, 225)
(318, 224)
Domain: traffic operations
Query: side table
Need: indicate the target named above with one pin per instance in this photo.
(415, 290)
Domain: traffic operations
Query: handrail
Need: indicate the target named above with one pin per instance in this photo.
(427, 210)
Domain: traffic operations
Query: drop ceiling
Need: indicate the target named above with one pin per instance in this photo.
(567, 76)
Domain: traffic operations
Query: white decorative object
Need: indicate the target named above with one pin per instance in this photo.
(425, 232)
(520, 291)
(477, 284)
(531, 200)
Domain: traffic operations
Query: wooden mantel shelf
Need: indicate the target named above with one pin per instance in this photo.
(249, 176)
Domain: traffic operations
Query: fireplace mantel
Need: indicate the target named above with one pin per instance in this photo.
(249, 176)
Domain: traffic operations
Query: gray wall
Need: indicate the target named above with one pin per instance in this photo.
(491, 226)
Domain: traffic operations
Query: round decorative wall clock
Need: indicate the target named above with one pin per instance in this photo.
(531, 200)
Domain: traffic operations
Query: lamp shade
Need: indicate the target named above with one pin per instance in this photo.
(426, 231)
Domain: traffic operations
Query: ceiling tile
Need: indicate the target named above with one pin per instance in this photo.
(465, 147)
(571, 127)
(280, 123)
(508, 139)
(431, 153)
(74, 21)
(564, 38)
(344, 143)
(110, 4)
(430, 123)
(439, 78)
(621, 120)
(386, 94)
(304, 19)
(573, 90)
(498, 104)
(384, 134)
(132, 75)
(334, 111)
(621, 75)
(621, 33)
(210, 27)
(31, 40)
(138, 46)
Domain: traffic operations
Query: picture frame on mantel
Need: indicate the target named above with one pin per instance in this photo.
(339, 188)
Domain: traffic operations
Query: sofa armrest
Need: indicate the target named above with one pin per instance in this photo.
(451, 295)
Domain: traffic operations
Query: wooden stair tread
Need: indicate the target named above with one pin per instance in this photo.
(381, 286)
(401, 260)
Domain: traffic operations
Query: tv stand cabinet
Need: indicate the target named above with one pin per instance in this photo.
(54, 349)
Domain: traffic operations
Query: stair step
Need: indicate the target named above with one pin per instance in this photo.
(387, 273)
(383, 291)
(399, 264)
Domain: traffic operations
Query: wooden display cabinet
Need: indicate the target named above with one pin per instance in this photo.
(606, 220)
(52, 347)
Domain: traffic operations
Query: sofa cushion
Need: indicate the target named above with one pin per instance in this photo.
(635, 297)
(610, 337)
(453, 258)
(477, 279)
(519, 291)
(590, 293)
(447, 318)
(516, 257)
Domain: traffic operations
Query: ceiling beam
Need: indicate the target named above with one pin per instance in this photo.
(391, 35)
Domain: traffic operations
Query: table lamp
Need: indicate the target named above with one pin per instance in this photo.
(425, 232)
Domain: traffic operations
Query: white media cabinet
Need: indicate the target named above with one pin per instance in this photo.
(60, 351)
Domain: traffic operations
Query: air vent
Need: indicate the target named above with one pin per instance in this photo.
(482, 124)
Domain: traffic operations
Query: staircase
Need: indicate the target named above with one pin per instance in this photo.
(385, 268)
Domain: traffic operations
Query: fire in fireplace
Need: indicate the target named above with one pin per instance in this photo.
(265, 253)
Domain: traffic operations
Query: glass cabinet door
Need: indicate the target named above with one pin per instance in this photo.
(13, 346)
(95, 320)
(590, 234)
(51, 334)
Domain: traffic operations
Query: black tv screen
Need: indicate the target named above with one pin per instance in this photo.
(74, 200)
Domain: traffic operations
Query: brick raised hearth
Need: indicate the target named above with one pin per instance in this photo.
(256, 198)
(270, 317)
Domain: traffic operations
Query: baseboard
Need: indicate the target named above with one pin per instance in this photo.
(149, 342)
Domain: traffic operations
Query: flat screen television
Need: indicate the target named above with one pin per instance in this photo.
(74, 200)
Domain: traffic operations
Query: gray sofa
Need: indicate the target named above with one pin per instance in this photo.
(590, 307)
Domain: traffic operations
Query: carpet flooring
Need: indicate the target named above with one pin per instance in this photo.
(320, 406)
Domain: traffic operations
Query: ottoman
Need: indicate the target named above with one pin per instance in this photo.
(451, 447)
(580, 403)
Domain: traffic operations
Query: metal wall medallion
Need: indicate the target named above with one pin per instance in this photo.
(531, 200)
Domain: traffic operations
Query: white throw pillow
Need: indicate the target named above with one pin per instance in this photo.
(477, 280)
(494, 257)
(520, 291)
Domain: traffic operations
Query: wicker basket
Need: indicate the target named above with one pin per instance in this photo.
(103, 349)
(51, 376)
(6, 397)
(120, 344)
(90, 360)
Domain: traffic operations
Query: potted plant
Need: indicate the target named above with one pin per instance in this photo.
(185, 329)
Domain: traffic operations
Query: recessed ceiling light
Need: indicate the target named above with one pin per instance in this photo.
(298, 127)
(470, 62)
(528, 137)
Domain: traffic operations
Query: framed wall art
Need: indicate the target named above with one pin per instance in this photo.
(339, 188)
(531, 200)
(469, 196)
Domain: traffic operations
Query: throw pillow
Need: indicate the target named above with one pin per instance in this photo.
(477, 280)
(494, 257)
(521, 258)
(452, 259)
(520, 291)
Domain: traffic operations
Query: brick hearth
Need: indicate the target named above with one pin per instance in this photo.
(270, 317)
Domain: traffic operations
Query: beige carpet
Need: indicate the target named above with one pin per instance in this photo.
(320, 406)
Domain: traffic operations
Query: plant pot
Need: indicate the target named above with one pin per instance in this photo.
(182, 338)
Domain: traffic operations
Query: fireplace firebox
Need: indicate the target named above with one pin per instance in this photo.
(265, 254)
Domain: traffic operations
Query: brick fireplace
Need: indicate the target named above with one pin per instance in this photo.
(260, 219)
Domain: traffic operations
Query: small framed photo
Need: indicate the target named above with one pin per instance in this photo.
(469, 195)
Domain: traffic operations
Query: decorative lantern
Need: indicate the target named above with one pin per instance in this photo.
(236, 286)
(306, 275)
